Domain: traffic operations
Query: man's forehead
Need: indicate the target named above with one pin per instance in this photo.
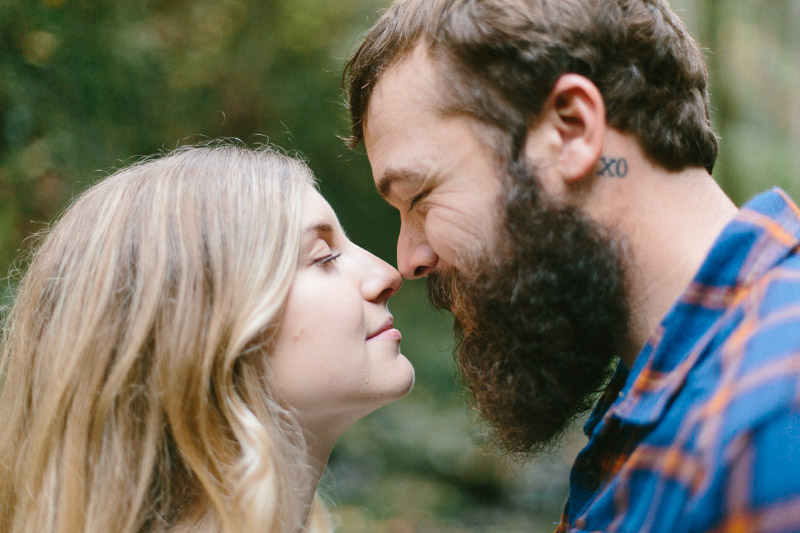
(412, 79)
(400, 109)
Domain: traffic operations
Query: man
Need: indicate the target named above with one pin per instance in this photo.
(551, 164)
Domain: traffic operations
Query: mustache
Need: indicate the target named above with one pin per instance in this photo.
(450, 291)
(440, 287)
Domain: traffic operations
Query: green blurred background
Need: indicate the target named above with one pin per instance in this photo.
(87, 85)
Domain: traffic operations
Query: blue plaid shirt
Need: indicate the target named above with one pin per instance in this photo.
(703, 433)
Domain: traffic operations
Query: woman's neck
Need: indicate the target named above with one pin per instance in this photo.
(319, 452)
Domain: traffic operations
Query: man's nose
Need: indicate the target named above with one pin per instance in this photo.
(415, 256)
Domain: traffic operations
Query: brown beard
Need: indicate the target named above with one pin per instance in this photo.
(537, 318)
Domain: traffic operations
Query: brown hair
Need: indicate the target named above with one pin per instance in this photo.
(506, 55)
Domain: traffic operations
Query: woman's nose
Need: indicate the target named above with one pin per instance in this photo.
(383, 282)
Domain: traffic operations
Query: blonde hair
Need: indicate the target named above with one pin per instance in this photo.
(135, 357)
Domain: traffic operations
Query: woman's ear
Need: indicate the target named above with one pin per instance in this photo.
(573, 121)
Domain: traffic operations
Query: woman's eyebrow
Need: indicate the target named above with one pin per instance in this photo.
(320, 228)
(325, 231)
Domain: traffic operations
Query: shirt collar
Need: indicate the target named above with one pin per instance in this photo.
(764, 231)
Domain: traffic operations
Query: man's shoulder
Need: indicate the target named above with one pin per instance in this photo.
(735, 423)
(759, 359)
(778, 290)
(767, 328)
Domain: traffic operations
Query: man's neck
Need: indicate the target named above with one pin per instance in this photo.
(667, 223)
(669, 245)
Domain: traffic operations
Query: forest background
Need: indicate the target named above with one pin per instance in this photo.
(88, 86)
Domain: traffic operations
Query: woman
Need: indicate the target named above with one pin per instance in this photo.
(189, 341)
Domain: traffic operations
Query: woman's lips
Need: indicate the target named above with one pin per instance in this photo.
(390, 333)
(386, 331)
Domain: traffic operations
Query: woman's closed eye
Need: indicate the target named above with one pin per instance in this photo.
(327, 260)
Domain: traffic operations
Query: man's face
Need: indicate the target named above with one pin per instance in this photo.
(536, 289)
(433, 169)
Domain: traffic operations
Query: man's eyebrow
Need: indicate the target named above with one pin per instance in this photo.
(392, 176)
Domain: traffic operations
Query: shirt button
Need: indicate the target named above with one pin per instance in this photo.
(591, 479)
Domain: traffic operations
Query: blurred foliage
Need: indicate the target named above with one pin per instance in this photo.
(85, 85)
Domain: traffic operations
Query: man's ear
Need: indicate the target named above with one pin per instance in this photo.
(573, 120)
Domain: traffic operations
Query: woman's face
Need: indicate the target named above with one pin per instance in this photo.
(337, 355)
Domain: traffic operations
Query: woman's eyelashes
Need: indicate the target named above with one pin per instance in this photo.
(328, 260)
(324, 255)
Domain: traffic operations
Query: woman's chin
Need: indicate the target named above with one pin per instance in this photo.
(402, 379)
